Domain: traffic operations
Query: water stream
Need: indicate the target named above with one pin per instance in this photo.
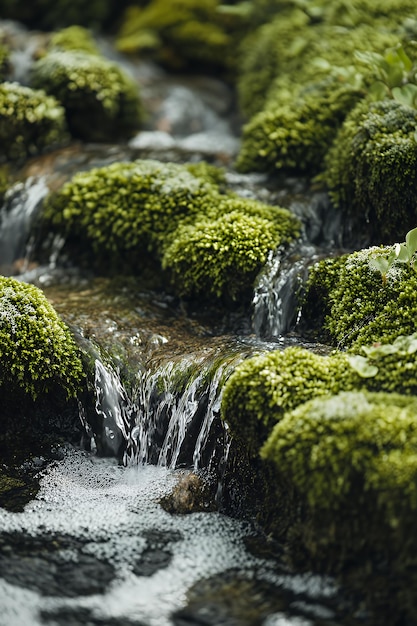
(96, 546)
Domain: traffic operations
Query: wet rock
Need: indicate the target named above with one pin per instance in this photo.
(191, 494)
(52, 565)
(68, 616)
(157, 555)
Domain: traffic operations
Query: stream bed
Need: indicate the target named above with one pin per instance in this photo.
(96, 546)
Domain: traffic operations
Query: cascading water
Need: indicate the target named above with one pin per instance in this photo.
(276, 302)
(20, 205)
(178, 413)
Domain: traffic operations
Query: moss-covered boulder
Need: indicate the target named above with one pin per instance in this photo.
(211, 243)
(338, 450)
(73, 38)
(126, 210)
(101, 101)
(263, 388)
(221, 257)
(371, 170)
(30, 122)
(352, 460)
(295, 136)
(37, 351)
(355, 304)
(180, 33)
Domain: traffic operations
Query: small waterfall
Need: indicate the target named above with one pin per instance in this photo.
(110, 427)
(178, 419)
(276, 303)
(16, 217)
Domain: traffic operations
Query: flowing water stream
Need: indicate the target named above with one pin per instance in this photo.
(96, 546)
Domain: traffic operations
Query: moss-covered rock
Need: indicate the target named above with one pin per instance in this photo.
(30, 122)
(101, 101)
(211, 243)
(371, 170)
(360, 305)
(221, 257)
(37, 351)
(126, 210)
(180, 33)
(337, 452)
(295, 136)
(263, 388)
(301, 50)
(73, 38)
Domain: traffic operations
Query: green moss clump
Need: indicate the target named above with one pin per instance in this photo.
(73, 38)
(222, 256)
(37, 351)
(360, 305)
(296, 135)
(213, 244)
(371, 170)
(101, 101)
(126, 210)
(339, 452)
(263, 388)
(30, 122)
(178, 33)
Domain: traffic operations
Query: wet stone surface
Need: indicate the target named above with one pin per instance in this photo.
(53, 565)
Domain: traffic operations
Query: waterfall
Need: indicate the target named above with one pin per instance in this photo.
(16, 217)
(276, 301)
(173, 418)
(178, 420)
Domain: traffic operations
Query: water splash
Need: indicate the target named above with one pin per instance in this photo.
(276, 302)
(20, 206)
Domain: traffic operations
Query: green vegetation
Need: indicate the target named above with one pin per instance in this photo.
(101, 101)
(371, 170)
(360, 306)
(342, 451)
(296, 135)
(37, 351)
(212, 244)
(30, 122)
(73, 38)
(222, 256)
(263, 388)
(181, 32)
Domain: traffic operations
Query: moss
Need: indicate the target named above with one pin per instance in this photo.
(30, 122)
(221, 257)
(128, 209)
(371, 171)
(296, 136)
(297, 49)
(37, 351)
(101, 101)
(263, 388)
(211, 243)
(182, 32)
(360, 305)
(73, 38)
(343, 450)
